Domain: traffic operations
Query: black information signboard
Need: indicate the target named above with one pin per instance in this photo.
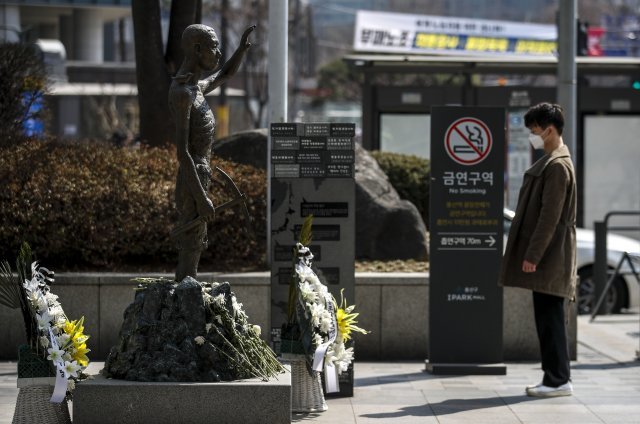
(466, 224)
(312, 174)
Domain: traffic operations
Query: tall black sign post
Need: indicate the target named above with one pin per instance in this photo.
(466, 224)
(313, 174)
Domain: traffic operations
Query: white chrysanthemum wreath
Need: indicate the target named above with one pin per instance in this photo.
(323, 323)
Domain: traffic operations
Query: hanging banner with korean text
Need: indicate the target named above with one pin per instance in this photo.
(466, 230)
(424, 34)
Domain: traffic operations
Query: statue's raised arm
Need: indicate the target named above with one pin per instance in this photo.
(231, 66)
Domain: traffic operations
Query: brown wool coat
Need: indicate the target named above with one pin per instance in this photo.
(544, 228)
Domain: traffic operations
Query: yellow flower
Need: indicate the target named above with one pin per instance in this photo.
(79, 338)
(75, 329)
(80, 354)
(68, 327)
(346, 319)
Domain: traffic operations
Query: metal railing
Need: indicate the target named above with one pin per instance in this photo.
(601, 274)
(601, 271)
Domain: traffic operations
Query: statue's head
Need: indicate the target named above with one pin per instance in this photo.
(200, 43)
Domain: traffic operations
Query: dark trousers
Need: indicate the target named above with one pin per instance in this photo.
(552, 334)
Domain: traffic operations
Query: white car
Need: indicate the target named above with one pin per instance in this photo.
(624, 292)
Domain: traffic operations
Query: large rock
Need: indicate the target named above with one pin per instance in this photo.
(248, 147)
(387, 227)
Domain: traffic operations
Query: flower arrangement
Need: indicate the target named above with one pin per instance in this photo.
(324, 325)
(226, 345)
(51, 336)
(238, 340)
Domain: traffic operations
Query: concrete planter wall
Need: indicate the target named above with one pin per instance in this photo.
(393, 306)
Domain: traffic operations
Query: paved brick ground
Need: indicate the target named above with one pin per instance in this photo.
(606, 380)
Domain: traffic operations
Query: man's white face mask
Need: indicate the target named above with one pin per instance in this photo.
(536, 141)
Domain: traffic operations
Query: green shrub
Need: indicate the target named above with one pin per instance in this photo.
(409, 175)
(87, 205)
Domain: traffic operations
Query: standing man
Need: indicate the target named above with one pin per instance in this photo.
(541, 249)
(195, 126)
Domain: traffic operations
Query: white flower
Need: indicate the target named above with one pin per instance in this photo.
(31, 285)
(199, 340)
(63, 339)
(38, 274)
(307, 292)
(256, 330)
(317, 339)
(66, 356)
(71, 385)
(44, 342)
(340, 356)
(237, 307)
(38, 301)
(325, 323)
(52, 299)
(304, 253)
(302, 250)
(71, 369)
(44, 320)
(315, 309)
(307, 274)
(55, 355)
(219, 300)
(322, 289)
(208, 299)
(56, 313)
(34, 269)
(60, 320)
(208, 326)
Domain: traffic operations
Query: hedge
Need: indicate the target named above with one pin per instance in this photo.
(410, 176)
(90, 205)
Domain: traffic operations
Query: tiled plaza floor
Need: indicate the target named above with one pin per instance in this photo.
(606, 379)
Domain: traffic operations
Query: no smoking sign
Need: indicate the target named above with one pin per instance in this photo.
(468, 141)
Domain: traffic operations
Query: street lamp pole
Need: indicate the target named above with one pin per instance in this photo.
(567, 73)
(278, 61)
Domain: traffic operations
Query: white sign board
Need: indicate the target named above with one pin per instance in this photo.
(405, 33)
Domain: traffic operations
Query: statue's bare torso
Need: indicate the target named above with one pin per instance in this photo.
(201, 128)
(185, 94)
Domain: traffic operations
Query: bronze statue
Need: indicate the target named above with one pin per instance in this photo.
(195, 125)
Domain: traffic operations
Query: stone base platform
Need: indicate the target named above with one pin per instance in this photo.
(101, 400)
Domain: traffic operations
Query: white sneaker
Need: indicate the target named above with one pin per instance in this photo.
(533, 386)
(546, 391)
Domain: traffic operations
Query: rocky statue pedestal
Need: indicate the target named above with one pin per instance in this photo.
(187, 354)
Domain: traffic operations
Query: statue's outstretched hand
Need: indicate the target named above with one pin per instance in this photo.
(244, 41)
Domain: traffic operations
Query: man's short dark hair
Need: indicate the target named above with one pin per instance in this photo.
(543, 115)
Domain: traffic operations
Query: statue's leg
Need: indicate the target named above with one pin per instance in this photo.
(189, 243)
(188, 263)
